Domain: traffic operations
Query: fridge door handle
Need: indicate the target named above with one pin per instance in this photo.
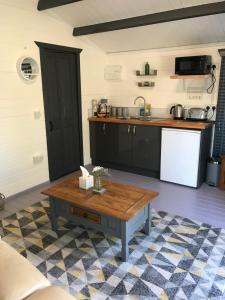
(128, 129)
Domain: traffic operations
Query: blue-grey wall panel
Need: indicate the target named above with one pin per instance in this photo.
(219, 142)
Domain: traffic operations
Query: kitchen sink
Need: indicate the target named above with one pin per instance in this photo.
(142, 118)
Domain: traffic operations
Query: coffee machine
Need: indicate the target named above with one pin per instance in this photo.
(104, 108)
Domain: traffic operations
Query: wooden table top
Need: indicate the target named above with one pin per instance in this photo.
(163, 123)
(120, 201)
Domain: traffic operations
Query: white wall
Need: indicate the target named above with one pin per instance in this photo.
(166, 91)
(20, 134)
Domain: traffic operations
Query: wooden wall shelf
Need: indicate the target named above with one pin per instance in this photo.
(188, 76)
(154, 73)
(146, 84)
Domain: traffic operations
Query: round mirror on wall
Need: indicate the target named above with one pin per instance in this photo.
(27, 69)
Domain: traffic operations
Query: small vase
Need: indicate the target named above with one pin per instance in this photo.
(98, 183)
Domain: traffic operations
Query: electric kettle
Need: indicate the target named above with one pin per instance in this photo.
(177, 111)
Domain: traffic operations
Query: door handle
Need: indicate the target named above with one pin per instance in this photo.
(51, 127)
(103, 128)
(134, 129)
(128, 129)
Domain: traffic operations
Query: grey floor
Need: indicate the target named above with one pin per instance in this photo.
(206, 204)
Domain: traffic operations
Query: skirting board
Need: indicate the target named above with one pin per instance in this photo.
(33, 188)
(23, 193)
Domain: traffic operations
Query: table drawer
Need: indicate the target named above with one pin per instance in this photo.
(86, 214)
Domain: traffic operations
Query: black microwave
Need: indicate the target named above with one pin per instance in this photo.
(193, 65)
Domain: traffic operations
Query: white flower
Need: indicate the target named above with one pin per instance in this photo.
(98, 168)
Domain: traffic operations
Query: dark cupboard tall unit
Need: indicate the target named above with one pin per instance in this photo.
(219, 142)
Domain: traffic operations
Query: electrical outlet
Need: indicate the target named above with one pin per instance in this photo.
(37, 114)
(194, 96)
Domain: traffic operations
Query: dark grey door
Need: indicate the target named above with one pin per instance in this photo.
(62, 111)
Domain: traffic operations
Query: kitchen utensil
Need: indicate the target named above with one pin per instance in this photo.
(108, 110)
(113, 111)
(177, 111)
(119, 111)
(185, 114)
(94, 105)
(125, 111)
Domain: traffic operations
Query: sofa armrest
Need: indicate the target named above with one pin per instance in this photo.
(52, 292)
(19, 278)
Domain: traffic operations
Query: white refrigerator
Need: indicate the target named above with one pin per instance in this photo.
(180, 156)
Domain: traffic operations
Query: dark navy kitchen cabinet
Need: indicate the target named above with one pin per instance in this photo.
(133, 148)
(146, 147)
(103, 142)
(124, 145)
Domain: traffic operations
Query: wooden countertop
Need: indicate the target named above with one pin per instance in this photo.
(120, 201)
(163, 123)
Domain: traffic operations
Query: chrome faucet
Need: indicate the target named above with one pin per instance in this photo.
(140, 97)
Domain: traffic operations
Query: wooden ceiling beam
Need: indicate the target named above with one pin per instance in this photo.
(156, 18)
(46, 4)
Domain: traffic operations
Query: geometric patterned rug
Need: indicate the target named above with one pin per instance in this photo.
(181, 259)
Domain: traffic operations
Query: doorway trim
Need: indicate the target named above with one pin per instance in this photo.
(76, 51)
(58, 47)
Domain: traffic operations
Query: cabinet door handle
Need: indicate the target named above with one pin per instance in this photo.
(128, 129)
(103, 128)
(134, 130)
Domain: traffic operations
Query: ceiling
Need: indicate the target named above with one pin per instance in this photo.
(210, 29)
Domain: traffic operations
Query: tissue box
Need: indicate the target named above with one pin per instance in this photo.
(86, 182)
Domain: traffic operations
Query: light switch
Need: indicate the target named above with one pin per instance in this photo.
(37, 158)
(37, 114)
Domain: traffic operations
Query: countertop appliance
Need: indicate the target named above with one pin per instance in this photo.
(177, 111)
(197, 114)
(193, 65)
(180, 156)
(104, 109)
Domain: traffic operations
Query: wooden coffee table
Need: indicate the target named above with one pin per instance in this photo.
(120, 211)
